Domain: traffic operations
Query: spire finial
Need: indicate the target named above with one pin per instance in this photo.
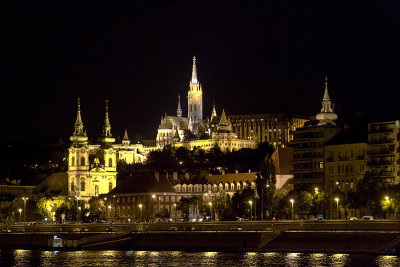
(79, 103)
(179, 110)
(194, 71)
(106, 105)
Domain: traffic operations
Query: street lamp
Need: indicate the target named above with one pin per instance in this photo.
(110, 208)
(210, 210)
(25, 199)
(79, 208)
(141, 213)
(77, 211)
(387, 210)
(251, 209)
(316, 190)
(337, 207)
(292, 201)
(175, 210)
(20, 211)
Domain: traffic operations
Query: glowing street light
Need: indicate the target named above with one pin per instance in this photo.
(316, 190)
(251, 209)
(210, 204)
(337, 207)
(175, 210)
(141, 213)
(387, 210)
(25, 199)
(20, 212)
(292, 201)
(77, 210)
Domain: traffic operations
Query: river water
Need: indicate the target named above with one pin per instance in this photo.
(28, 258)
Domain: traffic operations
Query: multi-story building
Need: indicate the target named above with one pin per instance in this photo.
(308, 147)
(383, 151)
(274, 128)
(92, 169)
(345, 161)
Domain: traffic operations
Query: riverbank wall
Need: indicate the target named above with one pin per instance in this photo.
(326, 242)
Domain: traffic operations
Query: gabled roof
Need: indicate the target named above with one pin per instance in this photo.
(56, 184)
(232, 177)
(144, 183)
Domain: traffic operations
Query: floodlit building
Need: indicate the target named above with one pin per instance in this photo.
(308, 147)
(205, 133)
(92, 169)
(274, 128)
(383, 151)
(346, 161)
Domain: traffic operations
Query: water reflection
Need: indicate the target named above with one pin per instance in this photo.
(178, 258)
(388, 261)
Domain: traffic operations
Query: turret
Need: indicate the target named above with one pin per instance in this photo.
(106, 137)
(326, 116)
(79, 136)
(125, 140)
(224, 124)
(179, 110)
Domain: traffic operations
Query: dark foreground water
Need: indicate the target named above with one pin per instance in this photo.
(177, 258)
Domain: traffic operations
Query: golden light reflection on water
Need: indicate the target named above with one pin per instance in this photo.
(388, 261)
(293, 259)
(339, 260)
(141, 253)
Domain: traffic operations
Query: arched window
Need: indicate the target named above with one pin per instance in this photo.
(110, 186)
(96, 190)
(73, 161)
(110, 163)
(72, 186)
(82, 161)
(83, 186)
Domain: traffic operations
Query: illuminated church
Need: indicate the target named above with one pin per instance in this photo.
(92, 169)
(194, 131)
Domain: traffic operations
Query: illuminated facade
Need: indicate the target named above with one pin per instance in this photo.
(308, 147)
(274, 128)
(218, 130)
(345, 163)
(92, 169)
(384, 151)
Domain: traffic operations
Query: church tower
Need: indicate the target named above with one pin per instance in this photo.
(195, 96)
(326, 116)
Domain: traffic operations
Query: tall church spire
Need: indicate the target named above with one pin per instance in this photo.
(326, 116)
(179, 110)
(194, 71)
(195, 96)
(213, 112)
(106, 136)
(79, 135)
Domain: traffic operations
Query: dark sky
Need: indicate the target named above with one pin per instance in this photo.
(252, 57)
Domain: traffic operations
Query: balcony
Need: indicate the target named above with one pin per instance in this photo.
(381, 163)
(381, 152)
(381, 130)
(381, 141)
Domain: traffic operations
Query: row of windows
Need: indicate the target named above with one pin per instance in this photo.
(213, 188)
(83, 187)
(83, 162)
(346, 168)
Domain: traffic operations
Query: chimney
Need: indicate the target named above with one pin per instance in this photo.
(249, 170)
(175, 176)
(187, 176)
(237, 171)
(223, 171)
(157, 175)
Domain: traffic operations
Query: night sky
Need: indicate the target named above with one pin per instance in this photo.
(251, 58)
